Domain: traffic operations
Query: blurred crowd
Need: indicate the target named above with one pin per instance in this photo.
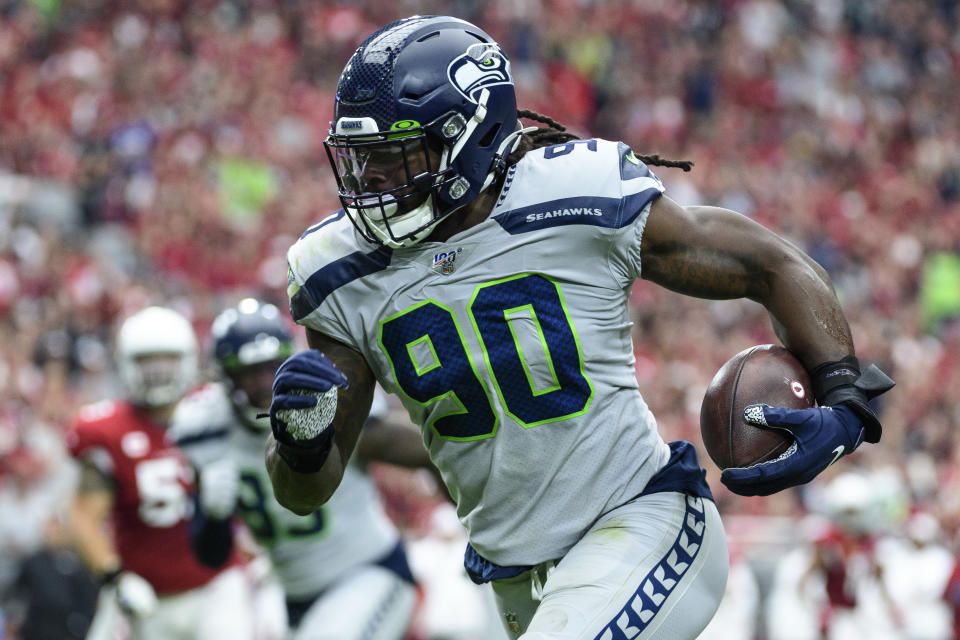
(165, 151)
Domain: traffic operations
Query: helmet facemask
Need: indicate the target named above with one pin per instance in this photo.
(389, 182)
(158, 379)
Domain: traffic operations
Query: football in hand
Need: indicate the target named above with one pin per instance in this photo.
(764, 374)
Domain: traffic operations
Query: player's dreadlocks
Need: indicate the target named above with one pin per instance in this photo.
(556, 133)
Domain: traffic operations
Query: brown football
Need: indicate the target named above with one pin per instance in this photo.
(764, 374)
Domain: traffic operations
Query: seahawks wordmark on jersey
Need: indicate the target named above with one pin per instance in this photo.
(510, 344)
(308, 552)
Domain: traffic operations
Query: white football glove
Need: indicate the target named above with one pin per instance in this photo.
(219, 483)
(135, 595)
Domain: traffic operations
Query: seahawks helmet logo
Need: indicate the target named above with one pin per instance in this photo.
(482, 66)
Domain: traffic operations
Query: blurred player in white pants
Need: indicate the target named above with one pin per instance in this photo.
(343, 568)
(132, 476)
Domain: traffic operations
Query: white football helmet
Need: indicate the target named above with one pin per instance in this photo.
(852, 502)
(150, 379)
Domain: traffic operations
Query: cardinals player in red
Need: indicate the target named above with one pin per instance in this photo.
(132, 475)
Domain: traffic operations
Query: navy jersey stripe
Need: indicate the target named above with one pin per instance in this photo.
(634, 204)
(612, 213)
(336, 215)
(590, 210)
(204, 436)
(660, 582)
(328, 279)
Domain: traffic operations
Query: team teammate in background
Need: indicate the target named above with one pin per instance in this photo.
(342, 567)
(481, 271)
(131, 474)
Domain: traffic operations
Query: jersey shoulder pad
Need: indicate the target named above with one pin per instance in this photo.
(203, 415)
(328, 255)
(322, 244)
(97, 425)
(593, 183)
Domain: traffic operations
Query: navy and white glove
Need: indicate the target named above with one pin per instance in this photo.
(821, 435)
(304, 404)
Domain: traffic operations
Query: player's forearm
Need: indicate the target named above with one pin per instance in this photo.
(210, 538)
(398, 444)
(91, 540)
(806, 314)
(303, 493)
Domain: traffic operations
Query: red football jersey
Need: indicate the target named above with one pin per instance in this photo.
(153, 485)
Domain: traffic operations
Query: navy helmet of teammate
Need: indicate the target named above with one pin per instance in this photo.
(250, 341)
(516, 358)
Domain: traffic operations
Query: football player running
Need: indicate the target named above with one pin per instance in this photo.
(133, 476)
(342, 566)
(481, 271)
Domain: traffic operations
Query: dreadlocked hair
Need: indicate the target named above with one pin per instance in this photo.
(556, 133)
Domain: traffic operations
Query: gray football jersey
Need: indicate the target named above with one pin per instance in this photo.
(308, 552)
(509, 344)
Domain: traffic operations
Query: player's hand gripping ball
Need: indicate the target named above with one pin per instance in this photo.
(303, 407)
(760, 425)
(764, 374)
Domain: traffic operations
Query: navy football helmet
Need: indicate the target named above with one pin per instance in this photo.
(250, 341)
(425, 116)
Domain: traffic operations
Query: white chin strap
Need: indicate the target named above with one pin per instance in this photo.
(424, 214)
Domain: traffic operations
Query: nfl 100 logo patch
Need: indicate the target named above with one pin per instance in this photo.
(445, 262)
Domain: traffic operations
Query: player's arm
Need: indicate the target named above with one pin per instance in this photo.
(394, 442)
(306, 471)
(92, 505)
(709, 252)
(214, 503)
(397, 443)
(89, 511)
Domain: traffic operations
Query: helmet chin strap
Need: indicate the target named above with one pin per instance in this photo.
(478, 115)
(425, 212)
(512, 141)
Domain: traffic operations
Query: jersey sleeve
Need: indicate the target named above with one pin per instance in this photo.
(640, 187)
(87, 439)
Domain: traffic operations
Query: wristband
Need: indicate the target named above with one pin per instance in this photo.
(841, 383)
(307, 459)
(829, 376)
